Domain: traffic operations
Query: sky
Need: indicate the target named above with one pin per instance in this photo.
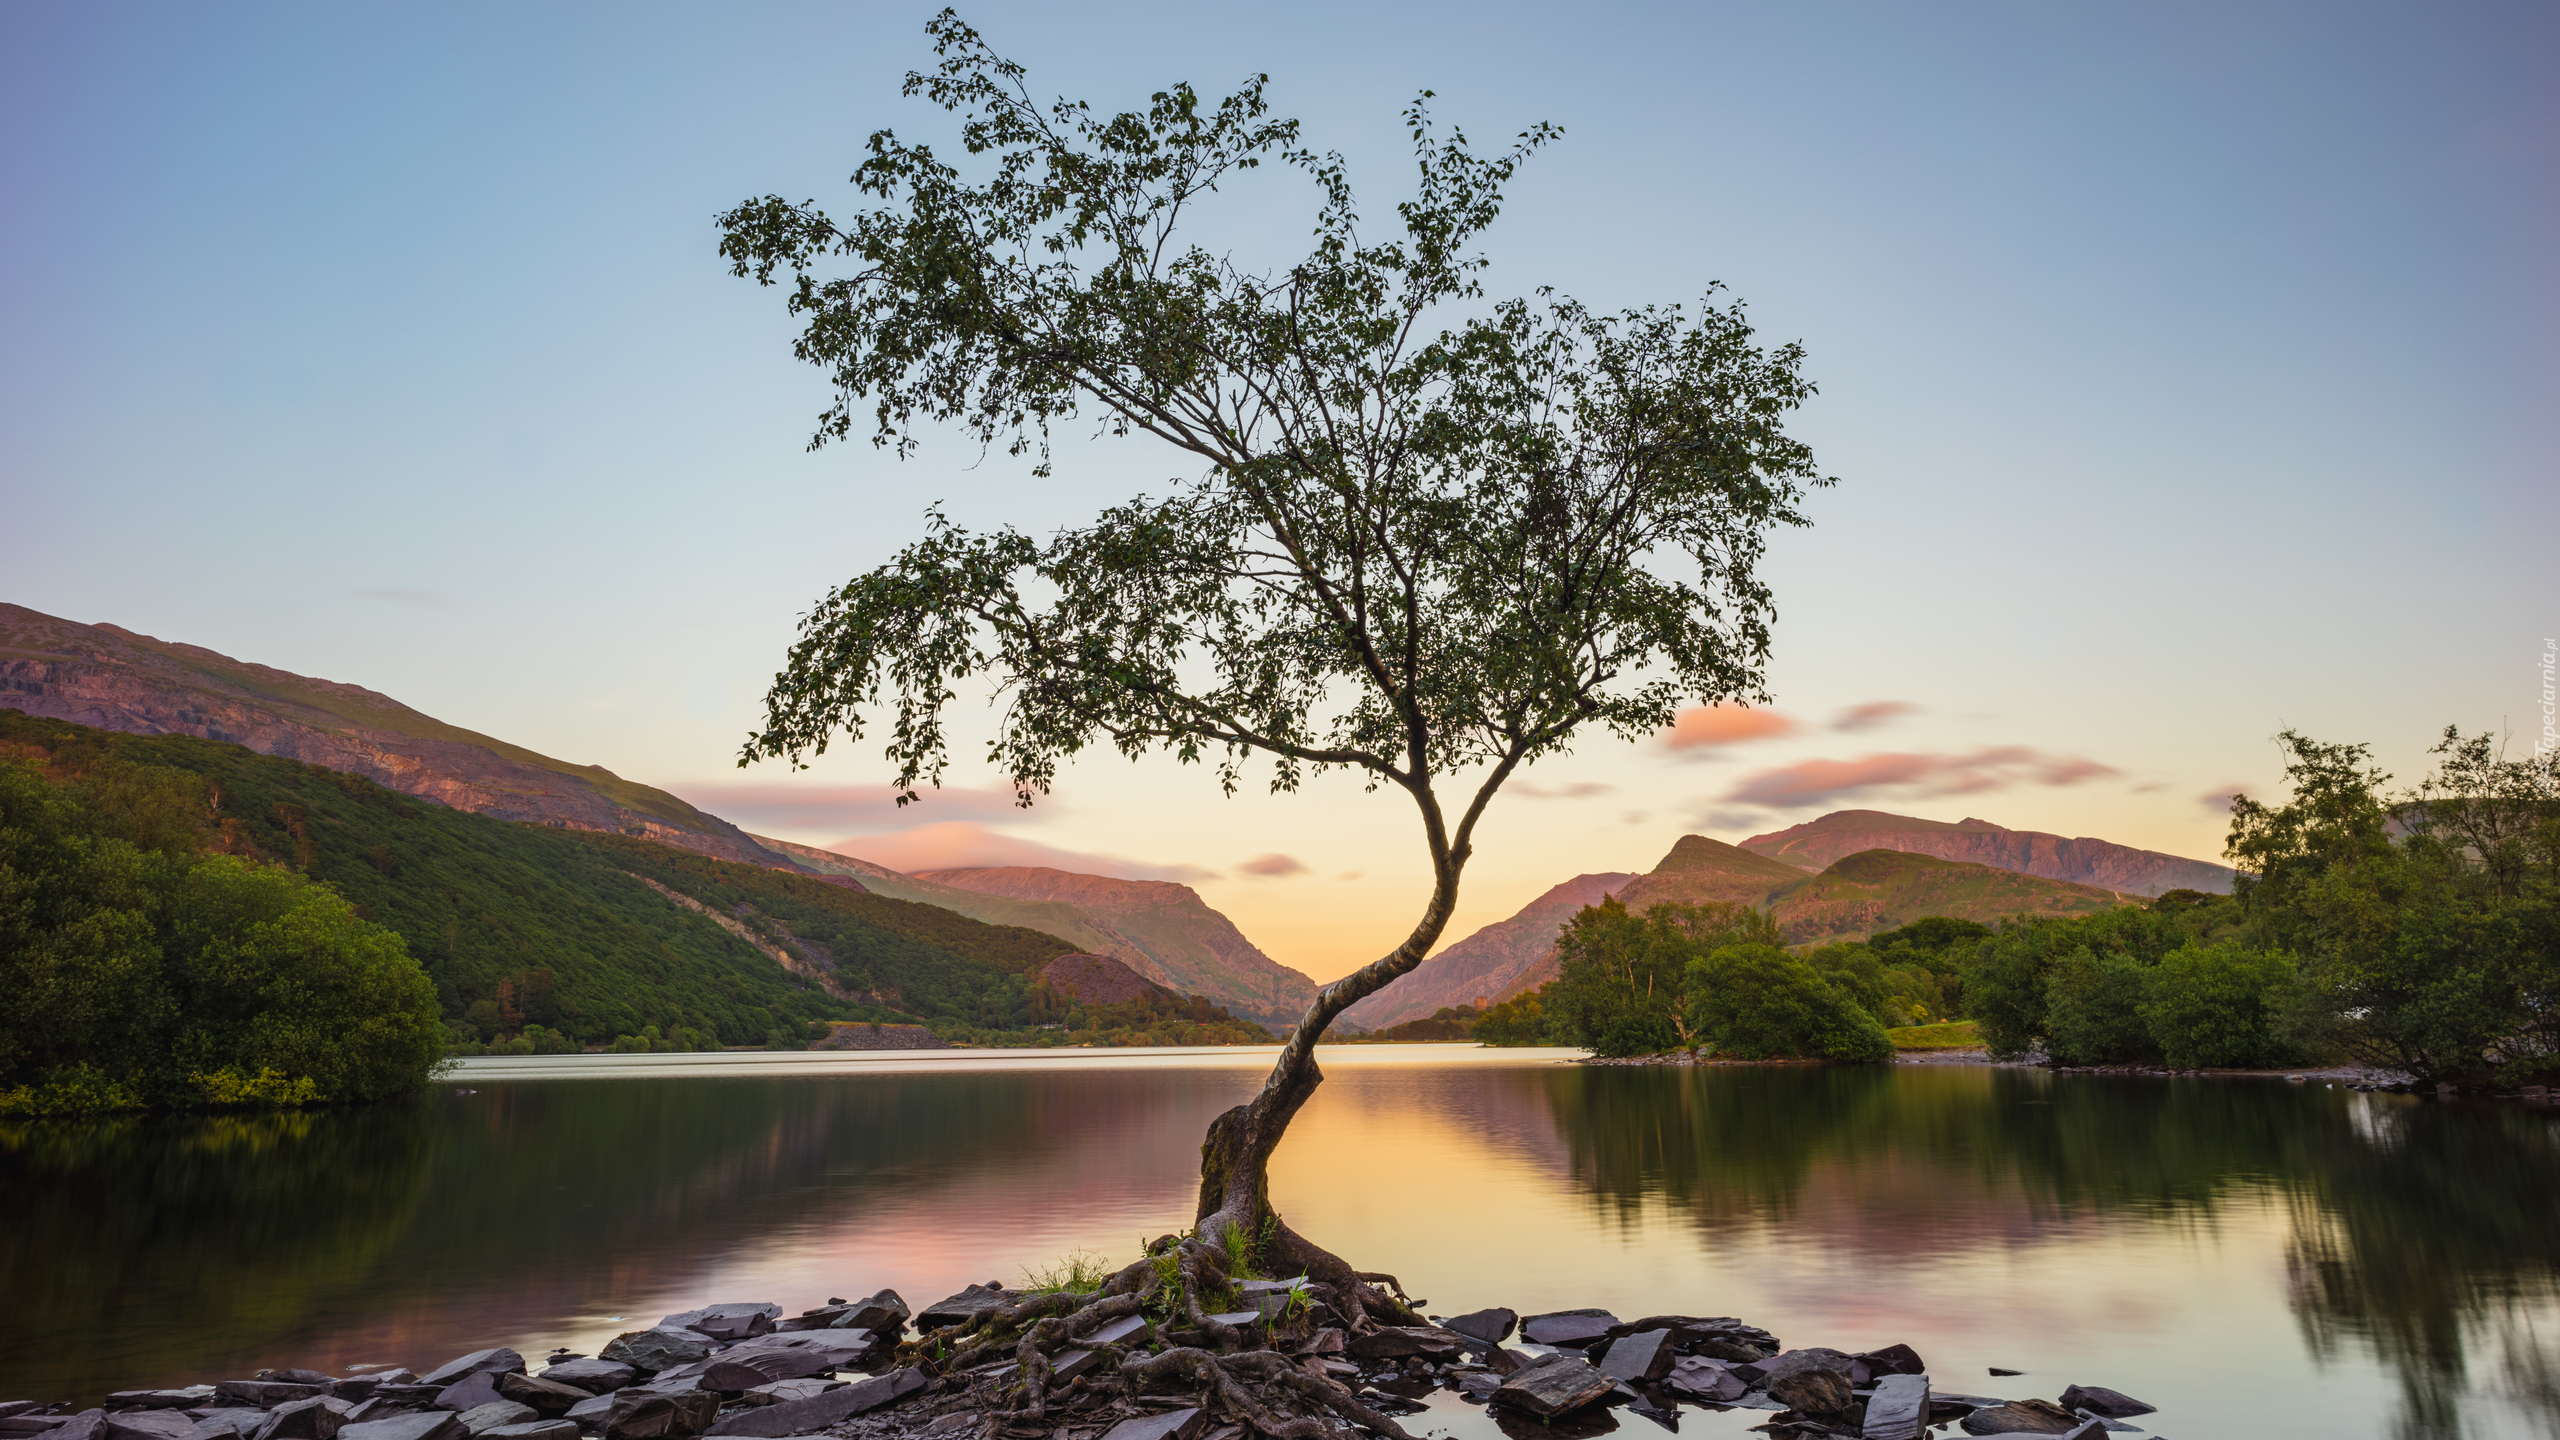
(2188, 371)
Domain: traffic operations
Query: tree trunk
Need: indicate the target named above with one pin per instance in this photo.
(1235, 1159)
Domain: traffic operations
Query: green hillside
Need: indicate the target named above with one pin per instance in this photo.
(1876, 890)
(522, 924)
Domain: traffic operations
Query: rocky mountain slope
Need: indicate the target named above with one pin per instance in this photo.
(1883, 889)
(1488, 963)
(1055, 916)
(1179, 941)
(2085, 861)
(114, 679)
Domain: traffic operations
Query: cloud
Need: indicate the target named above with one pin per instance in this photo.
(1350, 874)
(430, 599)
(842, 809)
(1872, 714)
(2219, 798)
(1704, 727)
(1819, 782)
(1579, 789)
(1273, 866)
(962, 844)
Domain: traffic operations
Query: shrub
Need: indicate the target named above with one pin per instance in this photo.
(1756, 1002)
(2093, 1010)
(2223, 1005)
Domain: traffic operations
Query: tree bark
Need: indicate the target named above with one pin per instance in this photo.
(1235, 1158)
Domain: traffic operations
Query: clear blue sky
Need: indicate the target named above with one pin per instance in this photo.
(2189, 370)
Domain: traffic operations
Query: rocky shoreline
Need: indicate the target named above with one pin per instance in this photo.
(2354, 1077)
(852, 1370)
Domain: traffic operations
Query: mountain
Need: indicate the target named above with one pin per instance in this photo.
(1874, 890)
(1487, 964)
(1700, 871)
(1179, 941)
(1057, 917)
(113, 679)
(2104, 864)
(597, 935)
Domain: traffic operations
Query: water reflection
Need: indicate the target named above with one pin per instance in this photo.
(2284, 1258)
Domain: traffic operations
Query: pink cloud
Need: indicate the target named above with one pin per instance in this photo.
(1273, 866)
(2219, 798)
(1818, 782)
(1872, 714)
(962, 844)
(836, 809)
(1578, 790)
(1703, 727)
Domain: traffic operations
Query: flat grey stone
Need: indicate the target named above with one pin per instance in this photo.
(150, 1399)
(1567, 1327)
(596, 1377)
(1703, 1379)
(1640, 1358)
(639, 1414)
(1899, 1408)
(805, 1417)
(782, 1392)
(549, 1398)
(747, 1367)
(417, 1425)
(2094, 1429)
(534, 1430)
(469, 1393)
(1171, 1425)
(318, 1418)
(589, 1414)
(497, 1357)
(2099, 1400)
(885, 1312)
(267, 1394)
(481, 1419)
(660, 1348)
(87, 1425)
(1394, 1342)
(1114, 1332)
(1491, 1326)
(1554, 1385)
(964, 1307)
(148, 1425)
(2023, 1417)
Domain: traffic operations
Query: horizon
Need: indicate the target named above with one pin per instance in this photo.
(2187, 375)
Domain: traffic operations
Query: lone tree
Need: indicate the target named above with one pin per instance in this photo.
(1426, 537)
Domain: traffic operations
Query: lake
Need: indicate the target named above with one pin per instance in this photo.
(2254, 1257)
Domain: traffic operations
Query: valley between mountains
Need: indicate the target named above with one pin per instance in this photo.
(637, 908)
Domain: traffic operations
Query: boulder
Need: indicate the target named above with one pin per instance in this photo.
(417, 1425)
(468, 1393)
(1639, 1359)
(807, 1417)
(2098, 1399)
(658, 1349)
(726, 1322)
(319, 1418)
(1815, 1394)
(1725, 1347)
(1394, 1342)
(1554, 1385)
(1891, 1360)
(783, 1391)
(267, 1394)
(481, 1419)
(966, 1306)
(589, 1414)
(884, 1312)
(148, 1424)
(1490, 1326)
(2021, 1417)
(745, 1368)
(405, 1393)
(149, 1399)
(661, 1414)
(548, 1399)
(497, 1359)
(596, 1377)
(1899, 1408)
(1567, 1327)
(1797, 1362)
(1702, 1379)
(1171, 1425)
(533, 1430)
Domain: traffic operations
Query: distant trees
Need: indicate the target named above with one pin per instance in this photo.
(144, 973)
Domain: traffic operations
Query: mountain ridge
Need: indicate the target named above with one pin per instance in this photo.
(2084, 860)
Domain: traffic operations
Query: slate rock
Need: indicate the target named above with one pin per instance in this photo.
(661, 1414)
(1394, 1342)
(495, 1359)
(1554, 1385)
(745, 1368)
(1639, 1359)
(468, 1393)
(590, 1414)
(2021, 1417)
(884, 1312)
(87, 1425)
(147, 1425)
(726, 1322)
(223, 1428)
(147, 1399)
(658, 1348)
(1796, 1362)
(1725, 1347)
(417, 1425)
(9, 1408)
(318, 1418)
(267, 1394)
(807, 1417)
(1702, 1379)
(1491, 1326)
(783, 1391)
(481, 1419)
(2090, 1430)
(1115, 1332)
(1066, 1365)
(242, 1418)
(966, 1306)
(406, 1393)
(533, 1430)
(1172, 1425)
(1567, 1327)
(596, 1377)
(2098, 1399)
(1898, 1409)
(1328, 1341)
(1817, 1394)
(321, 1378)
(548, 1399)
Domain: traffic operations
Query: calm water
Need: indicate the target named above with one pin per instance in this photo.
(2259, 1259)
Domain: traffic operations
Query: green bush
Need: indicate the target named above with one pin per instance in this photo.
(2093, 1010)
(164, 978)
(2215, 1005)
(1756, 1002)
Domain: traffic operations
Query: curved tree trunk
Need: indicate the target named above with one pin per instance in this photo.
(1235, 1158)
